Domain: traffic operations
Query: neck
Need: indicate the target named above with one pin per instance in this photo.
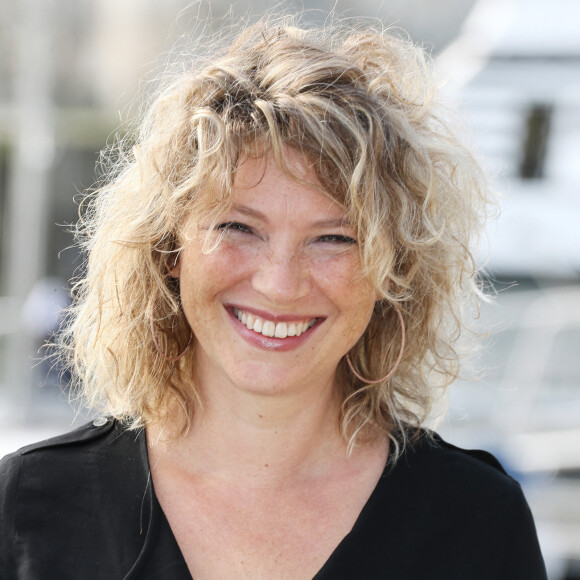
(263, 438)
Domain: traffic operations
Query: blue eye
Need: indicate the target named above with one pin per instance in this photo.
(337, 239)
(234, 226)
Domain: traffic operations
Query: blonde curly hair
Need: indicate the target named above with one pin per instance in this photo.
(360, 103)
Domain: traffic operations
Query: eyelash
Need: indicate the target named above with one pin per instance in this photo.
(236, 226)
(337, 239)
(327, 238)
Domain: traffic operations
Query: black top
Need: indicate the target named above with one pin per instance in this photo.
(81, 506)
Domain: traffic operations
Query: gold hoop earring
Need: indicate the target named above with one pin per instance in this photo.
(397, 362)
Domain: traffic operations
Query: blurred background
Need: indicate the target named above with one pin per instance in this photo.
(69, 71)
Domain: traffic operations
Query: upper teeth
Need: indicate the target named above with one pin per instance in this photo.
(273, 329)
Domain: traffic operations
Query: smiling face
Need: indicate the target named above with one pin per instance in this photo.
(281, 300)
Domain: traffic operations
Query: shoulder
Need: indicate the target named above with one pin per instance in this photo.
(440, 511)
(463, 479)
(86, 453)
(91, 434)
(429, 455)
(458, 509)
(431, 452)
(61, 457)
(83, 454)
(466, 500)
(71, 490)
(86, 436)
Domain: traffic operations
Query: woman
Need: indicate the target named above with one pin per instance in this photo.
(275, 279)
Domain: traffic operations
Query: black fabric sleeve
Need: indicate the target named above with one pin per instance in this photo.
(9, 473)
(74, 506)
(523, 555)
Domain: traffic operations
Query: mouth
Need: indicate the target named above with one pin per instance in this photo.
(273, 329)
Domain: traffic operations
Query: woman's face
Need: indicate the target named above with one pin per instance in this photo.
(282, 299)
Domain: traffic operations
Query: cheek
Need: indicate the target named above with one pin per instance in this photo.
(354, 296)
(360, 301)
(342, 278)
(202, 276)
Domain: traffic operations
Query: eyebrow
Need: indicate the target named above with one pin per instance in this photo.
(333, 223)
(245, 210)
(341, 222)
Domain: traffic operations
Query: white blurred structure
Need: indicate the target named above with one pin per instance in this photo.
(515, 71)
(515, 68)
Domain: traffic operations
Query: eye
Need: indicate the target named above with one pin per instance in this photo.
(336, 239)
(234, 226)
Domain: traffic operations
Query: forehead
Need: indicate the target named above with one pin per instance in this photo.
(260, 182)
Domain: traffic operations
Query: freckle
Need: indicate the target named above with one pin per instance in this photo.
(261, 416)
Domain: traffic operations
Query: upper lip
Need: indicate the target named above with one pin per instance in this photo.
(273, 317)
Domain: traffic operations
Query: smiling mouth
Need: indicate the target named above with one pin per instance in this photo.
(273, 329)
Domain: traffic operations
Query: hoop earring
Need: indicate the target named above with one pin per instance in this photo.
(397, 362)
(169, 358)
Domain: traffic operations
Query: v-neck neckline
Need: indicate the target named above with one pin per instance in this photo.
(159, 524)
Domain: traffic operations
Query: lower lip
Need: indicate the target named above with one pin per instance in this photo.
(269, 342)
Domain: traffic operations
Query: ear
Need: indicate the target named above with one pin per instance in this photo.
(175, 270)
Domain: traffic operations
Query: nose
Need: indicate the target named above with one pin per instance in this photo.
(283, 276)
